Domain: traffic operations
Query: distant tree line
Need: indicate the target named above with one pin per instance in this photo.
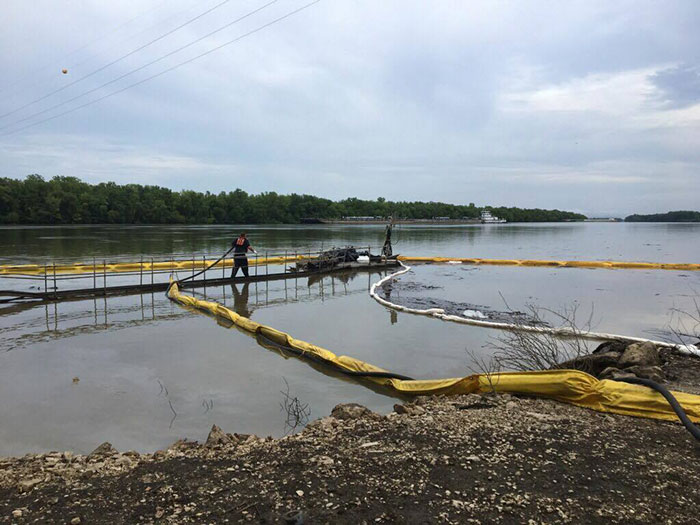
(68, 200)
(671, 216)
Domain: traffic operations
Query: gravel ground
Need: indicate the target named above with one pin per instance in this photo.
(682, 372)
(467, 459)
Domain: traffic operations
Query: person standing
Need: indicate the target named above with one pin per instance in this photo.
(240, 247)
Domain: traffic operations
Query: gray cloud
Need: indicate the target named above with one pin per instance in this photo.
(679, 86)
(582, 105)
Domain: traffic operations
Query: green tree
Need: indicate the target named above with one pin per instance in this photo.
(68, 200)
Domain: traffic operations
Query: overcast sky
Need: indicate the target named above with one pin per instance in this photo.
(586, 106)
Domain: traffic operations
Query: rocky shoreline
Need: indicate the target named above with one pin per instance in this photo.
(620, 360)
(465, 459)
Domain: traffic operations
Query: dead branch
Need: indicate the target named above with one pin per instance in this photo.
(488, 367)
(297, 413)
(527, 350)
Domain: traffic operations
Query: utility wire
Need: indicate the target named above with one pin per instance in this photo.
(176, 66)
(161, 37)
(128, 73)
(75, 65)
(99, 39)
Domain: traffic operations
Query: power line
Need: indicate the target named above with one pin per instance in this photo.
(117, 60)
(128, 73)
(101, 38)
(176, 66)
(128, 38)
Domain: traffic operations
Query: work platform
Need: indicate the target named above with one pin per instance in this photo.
(63, 281)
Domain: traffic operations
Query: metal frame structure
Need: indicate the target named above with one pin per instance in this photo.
(50, 280)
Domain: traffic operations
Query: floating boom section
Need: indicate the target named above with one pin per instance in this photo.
(568, 386)
(564, 331)
(609, 265)
(147, 266)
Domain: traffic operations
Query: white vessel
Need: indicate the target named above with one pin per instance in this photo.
(487, 218)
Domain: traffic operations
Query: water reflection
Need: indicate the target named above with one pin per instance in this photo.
(393, 315)
(627, 241)
(241, 300)
(28, 323)
(124, 348)
(150, 372)
(320, 367)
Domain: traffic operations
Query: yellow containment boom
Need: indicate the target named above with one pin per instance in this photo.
(147, 266)
(621, 265)
(568, 386)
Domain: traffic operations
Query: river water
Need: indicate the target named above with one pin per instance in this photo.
(141, 372)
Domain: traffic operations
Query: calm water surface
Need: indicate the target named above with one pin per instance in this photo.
(150, 372)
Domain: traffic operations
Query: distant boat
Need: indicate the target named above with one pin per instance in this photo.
(487, 218)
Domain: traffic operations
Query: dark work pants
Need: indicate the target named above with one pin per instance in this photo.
(239, 262)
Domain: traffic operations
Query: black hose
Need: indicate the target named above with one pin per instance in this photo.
(675, 405)
(201, 272)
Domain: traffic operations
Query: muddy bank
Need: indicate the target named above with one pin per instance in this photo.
(477, 459)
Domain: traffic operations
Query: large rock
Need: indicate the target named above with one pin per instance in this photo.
(608, 372)
(105, 449)
(640, 354)
(615, 373)
(410, 409)
(218, 437)
(593, 364)
(610, 346)
(350, 411)
(655, 373)
(325, 424)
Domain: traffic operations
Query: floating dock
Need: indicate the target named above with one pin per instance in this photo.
(57, 282)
